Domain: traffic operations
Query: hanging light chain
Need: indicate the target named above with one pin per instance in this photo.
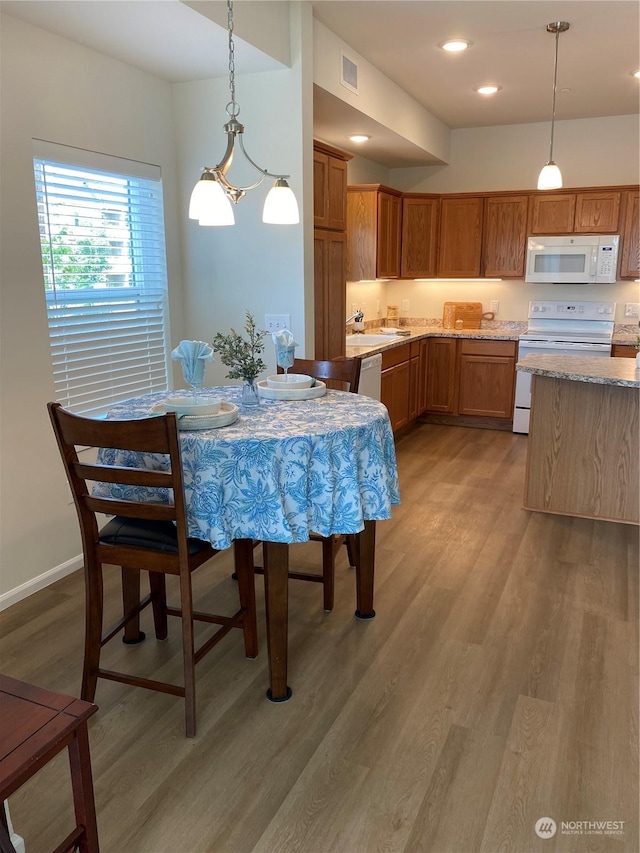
(232, 108)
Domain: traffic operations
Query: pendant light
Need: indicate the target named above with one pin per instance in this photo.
(211, 198)
(550, 177)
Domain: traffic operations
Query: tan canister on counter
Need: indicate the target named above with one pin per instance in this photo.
(392, 312)
(448, 316)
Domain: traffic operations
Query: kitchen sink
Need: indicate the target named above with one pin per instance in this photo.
(370, 340)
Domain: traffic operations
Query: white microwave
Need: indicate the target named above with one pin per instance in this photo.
(573, 259)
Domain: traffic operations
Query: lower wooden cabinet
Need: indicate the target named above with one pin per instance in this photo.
(466, 376)
(450, 377)
(442, 375)
(399, 383)
(487, 378)
(623, 351)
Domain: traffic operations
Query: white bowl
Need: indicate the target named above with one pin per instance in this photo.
(289, 381)
(202, 405)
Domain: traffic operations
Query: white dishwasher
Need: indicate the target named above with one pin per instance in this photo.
(370, 372)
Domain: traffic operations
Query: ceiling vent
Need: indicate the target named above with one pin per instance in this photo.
(349, 75)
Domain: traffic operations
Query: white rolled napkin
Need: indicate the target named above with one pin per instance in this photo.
(285, 346)
(193, 355)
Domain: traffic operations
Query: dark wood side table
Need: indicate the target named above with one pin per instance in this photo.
(35, 725)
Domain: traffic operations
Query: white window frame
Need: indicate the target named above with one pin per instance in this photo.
(108, 343)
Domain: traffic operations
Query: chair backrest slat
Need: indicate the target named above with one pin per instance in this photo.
(125, 476)
(131, 509)
(345, 371)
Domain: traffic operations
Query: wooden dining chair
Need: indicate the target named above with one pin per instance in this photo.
(342, 374)
(143, 536)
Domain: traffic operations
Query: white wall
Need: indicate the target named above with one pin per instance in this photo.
(56, 90)
(590, 152)
(250, 266)
(377, 97)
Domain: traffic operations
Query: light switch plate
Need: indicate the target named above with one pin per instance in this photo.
(495, 306)
(276, 322)
(632, 309)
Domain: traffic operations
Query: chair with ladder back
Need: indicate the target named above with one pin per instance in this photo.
(143, 536)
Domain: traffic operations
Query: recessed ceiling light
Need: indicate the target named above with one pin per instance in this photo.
(455, 45)
(636, 73)
(488, 90)
(359, 137)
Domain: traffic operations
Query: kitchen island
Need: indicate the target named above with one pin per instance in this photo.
(584, 437)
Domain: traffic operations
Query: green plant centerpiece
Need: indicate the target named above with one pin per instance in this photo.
(242, 356)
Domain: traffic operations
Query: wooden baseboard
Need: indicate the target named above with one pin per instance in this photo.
(467, 421)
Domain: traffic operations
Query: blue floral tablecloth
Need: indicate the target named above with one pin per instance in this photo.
(281, 470)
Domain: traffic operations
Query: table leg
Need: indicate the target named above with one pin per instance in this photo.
(82, 784)
(276, 584)
(365, 565)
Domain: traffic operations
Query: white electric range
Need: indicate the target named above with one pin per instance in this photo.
(561, 328)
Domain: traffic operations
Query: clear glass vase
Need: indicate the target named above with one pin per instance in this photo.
(250, 397)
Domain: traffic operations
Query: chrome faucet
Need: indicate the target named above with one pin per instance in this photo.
(358, 317)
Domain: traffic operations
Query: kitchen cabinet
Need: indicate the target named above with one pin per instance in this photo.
(504, 236)
(466, 376)
(597, 213)
(552, 213)
(623, 351)
(630, 257)
(330, 262)
(395, 384)
(420, 218)
(487, 378)
(329, 188)
(374, 215)
(442, 375)
(592, 212)
(330, 249)
(460, 236)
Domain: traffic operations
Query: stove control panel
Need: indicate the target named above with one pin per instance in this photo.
(550, 310)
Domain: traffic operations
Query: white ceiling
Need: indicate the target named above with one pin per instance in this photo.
(510, 47)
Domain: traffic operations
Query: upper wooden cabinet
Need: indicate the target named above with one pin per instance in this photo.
(552, 213)
(419, 237)
(374, 215)
(504, 236)
(329, 187)
(460, 242)
(630, 260)
(597, 213)
(575, 213)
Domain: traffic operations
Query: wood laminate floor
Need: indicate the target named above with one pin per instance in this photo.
(497, 685)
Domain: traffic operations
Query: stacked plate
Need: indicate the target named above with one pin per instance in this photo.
(224, 414)
(298, 387)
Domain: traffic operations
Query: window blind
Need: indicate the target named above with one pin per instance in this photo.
(105, 283)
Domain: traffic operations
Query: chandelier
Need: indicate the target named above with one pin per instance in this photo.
(211, 198)
(550, 177)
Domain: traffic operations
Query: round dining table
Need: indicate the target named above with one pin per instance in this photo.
(281, 470)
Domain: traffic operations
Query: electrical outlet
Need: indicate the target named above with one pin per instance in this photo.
(632, 309)
(495, 306)
(405, 306)
(277, 322)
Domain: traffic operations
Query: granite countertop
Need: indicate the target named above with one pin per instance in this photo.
(625, 339)
(583, 368)
(511, 332)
